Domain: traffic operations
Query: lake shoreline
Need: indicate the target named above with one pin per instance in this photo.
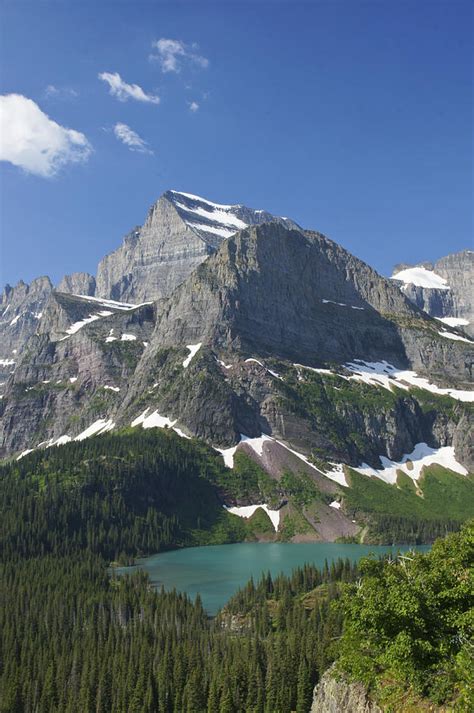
(216, 572)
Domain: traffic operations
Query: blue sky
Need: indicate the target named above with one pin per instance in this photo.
(353, 118)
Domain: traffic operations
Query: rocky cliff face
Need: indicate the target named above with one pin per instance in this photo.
(299, 296)
(79, 283)
(21, 309)
(270, 294)
(72, 370)
(256, 336)
(290, 294)
(180, 232)
(452, 301)
(334, 694)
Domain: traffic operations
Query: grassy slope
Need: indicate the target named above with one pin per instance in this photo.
(403, 513)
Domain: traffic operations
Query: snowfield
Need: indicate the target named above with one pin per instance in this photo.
(193, 350)
(455, 337)
(78, 325)
(155, 420)
(207, 216)
(337, 474)
(421, 277)
(453, 321)
(248, 510)
(381, 373)
(100, 426)
(109, 303)
(412, 463)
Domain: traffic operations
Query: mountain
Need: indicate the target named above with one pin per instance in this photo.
(21, 308)
(265, 341)
(180, 231)
(443, 288)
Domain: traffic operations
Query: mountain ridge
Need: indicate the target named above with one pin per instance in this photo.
(277, 343)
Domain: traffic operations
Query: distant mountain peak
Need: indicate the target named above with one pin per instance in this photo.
(215, 222)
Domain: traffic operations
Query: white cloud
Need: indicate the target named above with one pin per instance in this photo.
(130, 138)
(173, 53)
(60, 92)
(124, 91)
(31, 140)
(193, 106)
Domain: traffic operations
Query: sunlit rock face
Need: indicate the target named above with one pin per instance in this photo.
(180, 232)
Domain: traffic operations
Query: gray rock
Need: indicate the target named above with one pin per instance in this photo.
(64, 382)
(335, 694)
(79, 283)
(269, 292)
(179, 233)
(458, 271)
(21, 309)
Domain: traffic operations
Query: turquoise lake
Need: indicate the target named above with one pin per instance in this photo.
(217, 572)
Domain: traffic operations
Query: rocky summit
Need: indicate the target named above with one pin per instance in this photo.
(180, 231)
(258, 337)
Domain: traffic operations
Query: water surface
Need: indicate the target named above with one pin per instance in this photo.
(217, 572)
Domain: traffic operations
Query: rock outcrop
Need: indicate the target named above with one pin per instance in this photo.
(21, 309)
(79, 283)
(335, 694)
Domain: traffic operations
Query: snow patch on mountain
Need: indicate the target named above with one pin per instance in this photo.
(205, 216)
(7, 362)
(340, 304)
(412, 463)
(381, 373)
(256, 361)
(337, 474)
(193, 350)
(247, 511)
(155, 420)
(125, 306)
(255, 443)
(421, 277)
(78, 325)
(454, 321)
(455, 337)
(99, 426)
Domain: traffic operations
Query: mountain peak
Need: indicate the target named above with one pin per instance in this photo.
(214, 222)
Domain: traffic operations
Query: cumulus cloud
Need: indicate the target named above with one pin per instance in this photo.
(172, 54)
(32, 141)
(123, 91)
(193, 106)
(130, 138)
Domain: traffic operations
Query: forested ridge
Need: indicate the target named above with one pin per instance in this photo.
(76, 638)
